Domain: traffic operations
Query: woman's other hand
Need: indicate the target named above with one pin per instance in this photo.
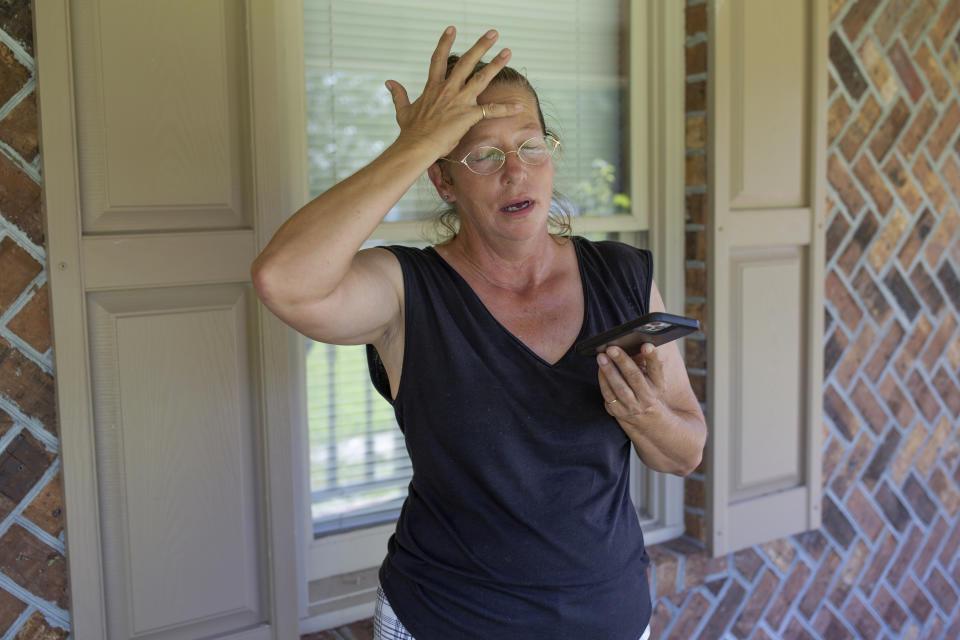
(650, 396)
(448, 106)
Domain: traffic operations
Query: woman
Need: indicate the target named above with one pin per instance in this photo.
(518, 522)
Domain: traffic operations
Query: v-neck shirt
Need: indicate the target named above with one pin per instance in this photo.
(518, 521)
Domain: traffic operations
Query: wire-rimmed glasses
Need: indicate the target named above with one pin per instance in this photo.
(485, 161)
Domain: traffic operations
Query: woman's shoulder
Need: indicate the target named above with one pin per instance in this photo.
(614, 253)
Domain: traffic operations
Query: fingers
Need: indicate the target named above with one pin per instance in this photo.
(438, 61)
(622, 378)
(398, 94)
(473, 55)
(653, 365)
(498, 109)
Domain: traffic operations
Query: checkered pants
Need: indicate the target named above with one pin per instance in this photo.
(385, 623)
(387, 627)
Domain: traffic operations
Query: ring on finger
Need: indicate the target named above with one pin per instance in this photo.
(483, 112)
(612, 402)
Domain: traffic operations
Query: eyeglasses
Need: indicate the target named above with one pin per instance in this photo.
(486, 161)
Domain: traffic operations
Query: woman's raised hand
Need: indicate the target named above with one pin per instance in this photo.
(448, 106)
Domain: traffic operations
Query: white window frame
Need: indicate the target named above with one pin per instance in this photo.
(337, 574)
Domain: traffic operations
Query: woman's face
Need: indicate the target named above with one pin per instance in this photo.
(513, 202)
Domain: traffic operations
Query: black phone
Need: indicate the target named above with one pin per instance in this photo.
(655, 328)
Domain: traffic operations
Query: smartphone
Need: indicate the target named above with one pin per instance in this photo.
(655, 328)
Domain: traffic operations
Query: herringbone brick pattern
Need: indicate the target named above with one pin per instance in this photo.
(33, 573)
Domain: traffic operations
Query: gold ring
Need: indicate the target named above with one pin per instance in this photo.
(483, 110)
(612, 402)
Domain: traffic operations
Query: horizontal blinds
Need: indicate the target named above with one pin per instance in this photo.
(571, 50)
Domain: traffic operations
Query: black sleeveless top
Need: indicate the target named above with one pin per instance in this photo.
(518, 522)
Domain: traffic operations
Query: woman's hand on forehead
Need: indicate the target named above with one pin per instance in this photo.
(448, 107)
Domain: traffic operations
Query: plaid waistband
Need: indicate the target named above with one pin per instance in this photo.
(387, 627)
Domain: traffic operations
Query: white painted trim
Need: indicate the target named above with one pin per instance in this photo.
(61, 200)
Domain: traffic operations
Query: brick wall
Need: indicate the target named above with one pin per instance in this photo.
(33, 574)
(885, 562)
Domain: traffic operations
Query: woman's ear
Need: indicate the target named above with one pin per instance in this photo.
(441, 181)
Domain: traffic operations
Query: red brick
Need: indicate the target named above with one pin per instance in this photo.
(839, 412)
(759, 598)
(916, 600)
(901, 62)
(949, 550)
(857, 16)
(878, 563)
(46, 510)
(934, 448)
(690, 617)
(838, 114)
(947, 391)
(855, 356)
(951, 174)
(923, 12)
(869, 407)
(10, 610)
(931, 68)
(696, 245)
(13, 75)
(694, 493)
(929, 549)
(862, 620)
(22, 464)
(665, 570)
(944, 132)
(909, 353)
(20, 200)
(874, 183)
(918, 499)
(696, 59)
(944, 24)
(889, 609)
(696, 19)
(885, 352)
(931, 184)
(828, 626)
(900, 179)
(889, 18)
(831, 458)
(19, 129)
(845, 185)
(923, 118)
(938, 343)
(33, 565)
(32, 324)
(941, 590)
(833, 350)
(870, 524)
(18, 268)
(918, 235)
(844, 477)
(846, 67)
(838, 294)
(848, 576)
(902, 562)
(17, 20)
(945, 233)
(858, 243)
(860, 128)
(27, 385)
(836, 231)
(791, 588)
(695, 98)
(927, 289)
(923, 396)
(889, 130)
(896, 401)
(37, 628)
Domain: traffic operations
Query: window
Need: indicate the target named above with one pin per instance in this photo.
(576, 54)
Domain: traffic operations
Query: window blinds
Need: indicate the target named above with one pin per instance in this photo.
(574, 54)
